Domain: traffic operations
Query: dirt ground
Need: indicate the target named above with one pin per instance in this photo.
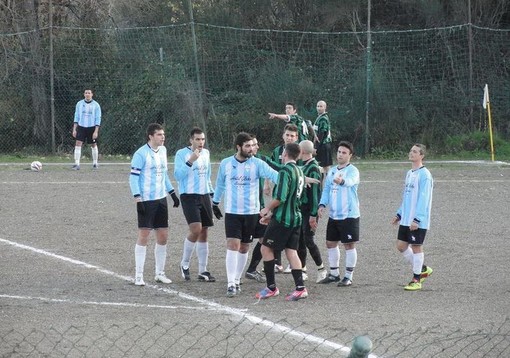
(67, 257)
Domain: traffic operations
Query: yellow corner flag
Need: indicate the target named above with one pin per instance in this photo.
(487, 105)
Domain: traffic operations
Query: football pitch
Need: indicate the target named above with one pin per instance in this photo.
(67, 263)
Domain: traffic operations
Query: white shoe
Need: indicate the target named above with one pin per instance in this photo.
(305, 276)
(139, 281)
(287, 269)
(321, 275)
(161, 277)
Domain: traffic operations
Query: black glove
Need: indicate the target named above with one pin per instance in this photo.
(140, 208)
(217, 212)
(175, 198)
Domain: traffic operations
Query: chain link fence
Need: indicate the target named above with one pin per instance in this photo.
(422, 85)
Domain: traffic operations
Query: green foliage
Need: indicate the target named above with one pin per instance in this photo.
(477, 142)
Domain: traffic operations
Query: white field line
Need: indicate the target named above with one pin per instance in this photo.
(209, 304)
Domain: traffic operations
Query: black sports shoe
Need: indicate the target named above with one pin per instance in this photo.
(330, 278)
(345, 282)
(206, 277)
(185, 273)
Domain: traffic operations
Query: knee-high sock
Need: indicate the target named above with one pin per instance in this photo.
(408, 255)
(334, 260)
(140, 253)
(77, 155)
(231, 265)
(256, 257)
(241, 263)
(418, 262)
(203, 255)
(95, 154)
(351, 257)
(160, 258)
(187, 252)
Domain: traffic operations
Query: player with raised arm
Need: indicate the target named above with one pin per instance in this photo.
(304, 127)
(413, 217)
(149, 183)
(193, 174)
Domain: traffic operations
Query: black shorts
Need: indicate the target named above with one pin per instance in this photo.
(324, 156)
(346, 231)
(241, 226)
(197, 208)
(84, 134)
(279, 237)
(155, 216)
(416, 237)
(260, 230)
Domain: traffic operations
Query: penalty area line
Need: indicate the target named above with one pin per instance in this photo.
(209, 304)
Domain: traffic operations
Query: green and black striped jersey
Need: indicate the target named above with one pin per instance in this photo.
(288, 191)
(312, 192)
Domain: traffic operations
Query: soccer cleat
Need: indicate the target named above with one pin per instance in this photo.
(413, 286)
(297, 295)
(321, 275)
(345, 282)
(75, 167)
(287, 269)
(255, 275)
(267, 292)
(238, 288)
(139, 281)
(185, 273)
(278, 268)
(330, 278)
(426, 273)
(95, 166)
(231, 291)
(206, 277)
(161, 277)
(305, 276)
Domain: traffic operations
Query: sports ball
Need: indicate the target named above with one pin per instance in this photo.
(36, 166)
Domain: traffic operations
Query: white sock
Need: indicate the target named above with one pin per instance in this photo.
(160, 258)
(95, 154)
(77, 155)
(140, 253)
(202, 254)
(187, 251)
(408, 255)
(351, 257)
(418, 262)
(231, 265)
(242, 259)
(334, 260)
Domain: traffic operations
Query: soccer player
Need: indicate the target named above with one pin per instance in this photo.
(238, 181)
(341, 195)
(309, 209)
(149, 183)
(284, 222)
(323, 140)
(413, 216)
(304, 127)
(87, 119)
(290, 135)
(193, 173)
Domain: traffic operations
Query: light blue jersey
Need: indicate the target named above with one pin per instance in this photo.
(240, 182)
(417, 198)
(194, 179)
(342, 199)
(87, 114)
(149, 174)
